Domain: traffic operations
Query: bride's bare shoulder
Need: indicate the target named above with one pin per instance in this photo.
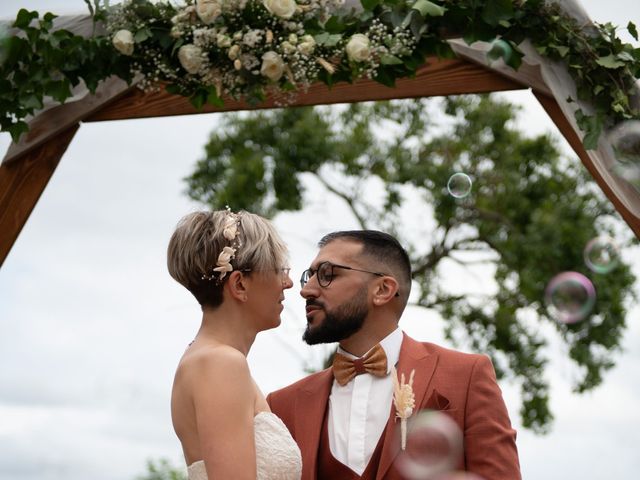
(221, 361)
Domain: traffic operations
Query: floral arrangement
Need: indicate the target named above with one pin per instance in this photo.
(207, 49)
(211, 48)
(404, 401)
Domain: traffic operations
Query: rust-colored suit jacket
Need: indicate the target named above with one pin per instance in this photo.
(461, 385)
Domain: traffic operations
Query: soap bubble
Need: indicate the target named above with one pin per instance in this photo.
(570, 297)
(601, 254)
(625, 141)
(459, 476)
(459, 185)
(499, 49)
(434, 446)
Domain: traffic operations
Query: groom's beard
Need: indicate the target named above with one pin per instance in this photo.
(340, 323)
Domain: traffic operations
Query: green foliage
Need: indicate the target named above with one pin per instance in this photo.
(39, 62)
(529, 216)
(162, 469)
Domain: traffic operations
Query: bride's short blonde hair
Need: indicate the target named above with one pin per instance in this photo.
(198, 240)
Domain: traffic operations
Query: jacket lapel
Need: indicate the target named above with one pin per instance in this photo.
(310, 406)
(413, 355)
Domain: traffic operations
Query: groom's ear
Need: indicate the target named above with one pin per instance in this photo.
(386, 289)
(237, 286)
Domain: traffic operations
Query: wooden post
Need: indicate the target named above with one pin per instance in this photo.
(553, 110)
(22, 183)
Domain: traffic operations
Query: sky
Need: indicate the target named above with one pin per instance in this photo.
(92, 326)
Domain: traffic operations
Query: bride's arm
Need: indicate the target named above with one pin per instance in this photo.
(224, 408)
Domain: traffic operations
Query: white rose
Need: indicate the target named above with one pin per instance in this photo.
(190, 58)
(272, 66)
(358, 48)
(281, 8)
(123, 42)
(208, 10)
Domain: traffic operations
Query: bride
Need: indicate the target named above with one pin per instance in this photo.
(235, 266)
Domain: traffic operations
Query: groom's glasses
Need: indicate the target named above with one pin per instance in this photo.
(324, 273)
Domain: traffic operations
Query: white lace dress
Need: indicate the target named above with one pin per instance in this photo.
(277, 455)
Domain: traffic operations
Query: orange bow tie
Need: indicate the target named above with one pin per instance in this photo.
(373, 362)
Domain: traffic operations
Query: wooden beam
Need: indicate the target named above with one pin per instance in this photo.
(22, 183)
(50, 123)
(553, 110)
(437, 77)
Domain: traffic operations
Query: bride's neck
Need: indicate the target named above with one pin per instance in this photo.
(228, 328)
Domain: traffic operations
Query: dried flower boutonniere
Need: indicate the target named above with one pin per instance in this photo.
(404, 401)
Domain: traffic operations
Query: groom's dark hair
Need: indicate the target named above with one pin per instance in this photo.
(383, 250)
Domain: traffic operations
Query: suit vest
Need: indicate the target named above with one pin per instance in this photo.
(331, 469)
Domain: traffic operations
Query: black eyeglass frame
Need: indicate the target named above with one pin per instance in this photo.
(310, 272)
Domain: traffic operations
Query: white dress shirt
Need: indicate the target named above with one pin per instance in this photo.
(359, 411)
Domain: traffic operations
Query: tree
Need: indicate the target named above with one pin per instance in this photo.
(528, 217)
(162, 469)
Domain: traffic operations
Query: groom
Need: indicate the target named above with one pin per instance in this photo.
(343, 417)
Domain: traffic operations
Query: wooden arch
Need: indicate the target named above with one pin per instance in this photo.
(28, 165)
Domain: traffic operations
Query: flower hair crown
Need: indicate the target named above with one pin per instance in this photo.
(230, 231)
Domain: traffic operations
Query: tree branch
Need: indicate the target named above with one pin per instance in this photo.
(349, 200)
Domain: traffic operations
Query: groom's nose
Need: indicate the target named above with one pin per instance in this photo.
(310, 289)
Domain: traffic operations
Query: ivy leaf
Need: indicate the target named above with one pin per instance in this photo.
(631, 28)
(495, 11)
(385, 78)
(561, 49)
(58, 90)
(610, 61)
(370, 4)
(31, 102)
(427, 8)
(591, 125)
(24, 18)
(17, 129)
(198, 99)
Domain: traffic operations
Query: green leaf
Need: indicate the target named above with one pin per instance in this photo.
(142, 34)
(591, 125)
(335, 25)
(24, 18)
(631, 28)
(214, 99)
(327, 39)
(17, 129)
(198, 99)
(390, 60)
(430, 9)
(561, 49)
(495, 11)
(370, 4)
(610, 61)
(58, 90)
(31, 101)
